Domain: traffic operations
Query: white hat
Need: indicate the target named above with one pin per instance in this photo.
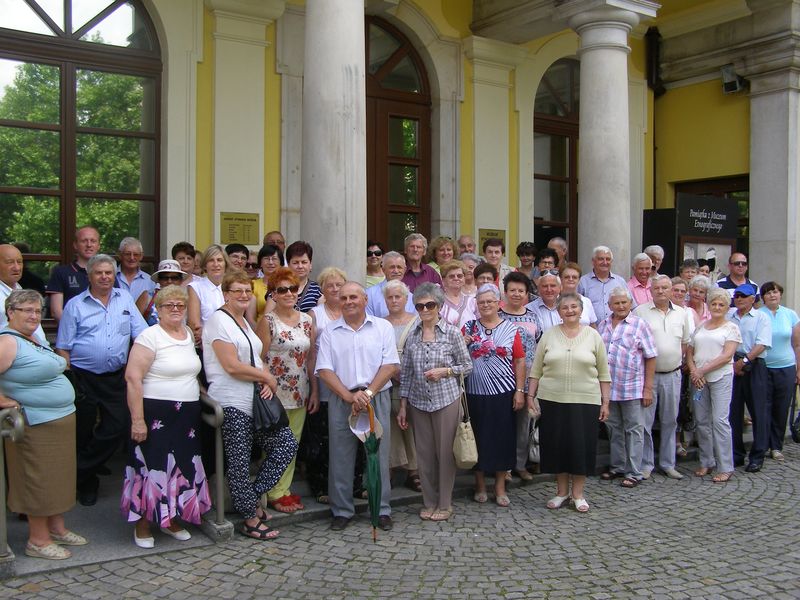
(359, 425)
(169, 266)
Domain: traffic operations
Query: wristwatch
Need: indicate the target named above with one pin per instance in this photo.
(745, 360)
(369, 393)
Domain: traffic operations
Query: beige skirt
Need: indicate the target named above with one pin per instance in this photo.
(41, 469)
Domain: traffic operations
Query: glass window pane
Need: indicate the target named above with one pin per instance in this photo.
(403, 137)
(107, 163)
(403, 185)
(550, 200)
(558, 91)
(401, 225)
(34, 220)
(41, 268)
(84, 10)
(381, 47)
(123, 27)
(29, 91)
(551, 154)
(54, 10)
(117, 219)
(403, 77)
(115, 101)
(29, 158)
(16, 14)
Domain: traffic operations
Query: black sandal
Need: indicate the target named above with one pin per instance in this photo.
(259, 532)
(263, 515)
(629, 482)
(413, 483)
(609, 476)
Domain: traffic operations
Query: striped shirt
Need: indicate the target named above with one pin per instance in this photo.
(627, 344)
(493, 352)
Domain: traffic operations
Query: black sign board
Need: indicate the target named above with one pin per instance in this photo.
(707, 216)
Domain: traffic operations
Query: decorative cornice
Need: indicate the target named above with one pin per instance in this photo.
(266, 10)
(482, 50)
(644, 9)
(702, 16)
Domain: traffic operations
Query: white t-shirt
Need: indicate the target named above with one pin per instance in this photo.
(173, 374)
(210, 297)
(708, 345)
(223, 388)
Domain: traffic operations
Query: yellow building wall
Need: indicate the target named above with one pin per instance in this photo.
(700, 133)
(204, 228)
(466, 154)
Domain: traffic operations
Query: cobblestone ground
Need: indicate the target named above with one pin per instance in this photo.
(664, 539)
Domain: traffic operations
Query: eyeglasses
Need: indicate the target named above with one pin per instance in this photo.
(550, 272)
(741, 295)
(283, 289)
(131, 254)
(173, 306)
(29, 311)
(371, 253)
(250, 265)
(420, 306)
(273, 258)
(169, 277)
(739, 263)
(241, 291)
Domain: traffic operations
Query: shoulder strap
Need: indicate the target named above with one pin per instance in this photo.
(22, 337)
(402, 342)
(252, 358)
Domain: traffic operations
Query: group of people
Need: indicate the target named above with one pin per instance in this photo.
(542, 346)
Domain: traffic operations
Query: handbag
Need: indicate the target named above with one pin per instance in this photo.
(794, 423)
(465, 449)
(268, 413)
(533, 442)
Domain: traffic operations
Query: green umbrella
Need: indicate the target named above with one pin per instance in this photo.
(373, 472)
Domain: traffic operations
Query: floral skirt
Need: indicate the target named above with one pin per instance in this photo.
(164, 478)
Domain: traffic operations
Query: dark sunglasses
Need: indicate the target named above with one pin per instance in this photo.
(739, 263)
(282, 289)
(427, 306)
(162, 277)
(250, 265)
(374, 253)
(741, 295)
(550, 272)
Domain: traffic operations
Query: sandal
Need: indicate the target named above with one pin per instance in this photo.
(702, 471)
(413, 483)
(681, 451)
(263, 515)
(480, 497)
(502, 501)
(722, 477)
(298, 503)
(525, 475)
(557, 502)
(629, 482)
(51, 551)
(259, 532)
(442, 514)
(323, 499)
(610, 476)
(581, 505)
(426, 513)
(70, 538)
(284, 504)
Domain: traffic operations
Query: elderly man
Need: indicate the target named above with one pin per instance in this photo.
(357, 359)
(559, 244)
(417, 272)
(639, 284)
(737, 275)
(275, 238)
(466, 245)
(750, 377)
(94, 336)
(598, 284)
(130, 276)
(632, 361)
(10, 273)
(67, 281)
(656, 254)
(394, 267)
(672, 326)
(545, 305)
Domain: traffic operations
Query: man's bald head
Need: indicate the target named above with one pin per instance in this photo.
(10, 265)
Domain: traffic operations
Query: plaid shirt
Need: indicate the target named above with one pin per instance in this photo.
(627, 344)
(447, 350)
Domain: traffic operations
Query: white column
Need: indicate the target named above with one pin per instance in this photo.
(334, 167)
(604, 153)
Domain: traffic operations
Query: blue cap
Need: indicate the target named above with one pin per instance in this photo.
(748, 289)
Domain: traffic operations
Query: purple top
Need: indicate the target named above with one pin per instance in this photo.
(427, 275)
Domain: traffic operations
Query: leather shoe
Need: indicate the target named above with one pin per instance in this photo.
(738, 462)
(385, 522)
(87, 497)
(753, 467)
(339, 523)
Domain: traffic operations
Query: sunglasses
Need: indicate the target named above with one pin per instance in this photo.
(169, 277)
(550, 272)
(283, 289)
(739, 263)
(741, 295)
(173, 306)
(425, 305)
(250, 265)
(374, 253)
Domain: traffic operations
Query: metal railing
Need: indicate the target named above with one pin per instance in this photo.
(12, 426)
(214, 419)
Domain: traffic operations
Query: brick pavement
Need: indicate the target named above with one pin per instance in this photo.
(664, 539)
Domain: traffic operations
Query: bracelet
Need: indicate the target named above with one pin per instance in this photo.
(520, 390)
(449, 371)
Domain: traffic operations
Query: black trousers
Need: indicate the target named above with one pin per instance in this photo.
(102, 419)
(750, 389)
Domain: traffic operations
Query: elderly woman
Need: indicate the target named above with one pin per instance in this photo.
(518, 286)
(680, 291)
(403, 452)
(632, 353)
(495, 389)
(698, 288)
(571, 381)
(570, 275)
(232, 357)
(41, 465)
(471, 261)
(289, 342)
(375, 273)
(441, 250)
(164, 480)
(205, 294)
(781, 359)
(269, 259)
(709, 358)
(458, 307)
(433, 359)
(169, 273)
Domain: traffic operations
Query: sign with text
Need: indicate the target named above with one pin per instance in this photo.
(707, 216)
(239, 228)
(485, 234)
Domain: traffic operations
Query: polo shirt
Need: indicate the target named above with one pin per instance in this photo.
(755, 328)
(69, 280)
(671, 330)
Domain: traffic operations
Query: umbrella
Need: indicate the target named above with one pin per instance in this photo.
(369, 431)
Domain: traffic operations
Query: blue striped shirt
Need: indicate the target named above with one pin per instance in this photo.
(98, 337)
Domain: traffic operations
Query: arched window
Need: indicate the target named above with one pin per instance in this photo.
(398, 137)
(555, 154)
(80, 88)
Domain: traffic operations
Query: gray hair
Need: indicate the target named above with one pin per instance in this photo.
(620, 291)
(655, 250)
(558, 240)
(395, 285)
(602, 250)
(432, 290)
(470, 256)
(489, 288)
(701, 282)
(99, 259)
(19, 297)
(641, 257)
(553, 275)
(415, 237)
(570, 296)
(360, 287)
(661, 276)
(714, 293)
(392, 254)
(130, 241)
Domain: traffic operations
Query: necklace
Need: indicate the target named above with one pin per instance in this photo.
(489, 330)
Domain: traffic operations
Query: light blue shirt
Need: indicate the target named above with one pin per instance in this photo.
(98, 337)
(376, 303)
(5, 292)
(141, 283)
(781, 354)
(755, 328)
(598, 291)
(548, 317)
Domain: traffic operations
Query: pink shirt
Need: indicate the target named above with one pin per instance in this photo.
(641, 293)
